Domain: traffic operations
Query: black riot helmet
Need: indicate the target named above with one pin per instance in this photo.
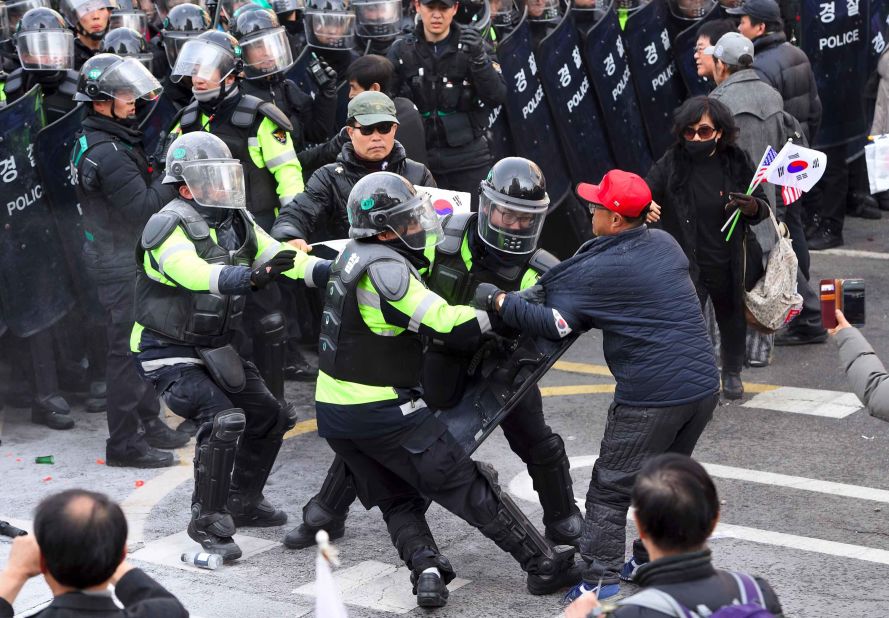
(104, 77)
(127, 43)
(474, 13)
(264, 44)
(43, 41)
(512, 205)
(213, 55)
(384, 201)
(129, 14)
(11, 11)
(165, 6)
(505, 14)
(282, 7)
(330, 24)
(205, 165)
(75, 10)
(184, 22)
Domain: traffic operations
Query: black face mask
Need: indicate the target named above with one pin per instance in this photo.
(293, 27)
(702, 149)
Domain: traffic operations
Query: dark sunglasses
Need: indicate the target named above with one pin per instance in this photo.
(704, 131)
(383, 128)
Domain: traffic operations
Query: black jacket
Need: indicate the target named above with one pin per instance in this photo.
(312, 119)
(82, 53)
(117, 193)
(692, 580)
(787, 69)
(142, 597)
(319, 212)
(668, 181)
(453, 94)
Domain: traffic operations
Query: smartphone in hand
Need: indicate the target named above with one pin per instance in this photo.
(828, 303)
(853, 301)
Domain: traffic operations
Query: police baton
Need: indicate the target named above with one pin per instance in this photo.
(7, 529)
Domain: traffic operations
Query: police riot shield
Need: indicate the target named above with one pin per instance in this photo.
(878, 33)
(833, 35)
(573, 104)
(606, 61)
(684, 54)
(507, 371)
(157, 121)
(498, 134)
(35, 291)
(529, 117)
(53, 148)
(658, 86)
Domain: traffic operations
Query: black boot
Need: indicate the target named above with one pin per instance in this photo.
(211, 524)
(863, 205)
(732, 387)
(159, 435)
(550, 472)
(253, 464)
(327, 510)
(430, 589)
(52, 411)
(97, 399)
(827, 237)
(550, 568)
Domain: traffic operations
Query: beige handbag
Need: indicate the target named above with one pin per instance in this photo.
(774, 301)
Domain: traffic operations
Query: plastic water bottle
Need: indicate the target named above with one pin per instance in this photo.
(202, 559)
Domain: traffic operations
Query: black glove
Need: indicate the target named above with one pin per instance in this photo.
(471, 42)
(323, 73)
(747, 204)
(484, 296)
(266, 273)
(534, 294)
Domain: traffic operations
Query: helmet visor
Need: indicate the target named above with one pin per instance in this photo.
(216, 183)
(137, 20)
(266, 53)
(543, 10)
(129, 80)
(285, 6)
(510, 226)
(326, 30)
(174, 42)
(415, 223)
(82, 8)
(378, 19)
(46, 50)
(202, 60)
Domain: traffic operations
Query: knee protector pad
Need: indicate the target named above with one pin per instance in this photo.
(227, 426)
(272, 328)
(550, 450)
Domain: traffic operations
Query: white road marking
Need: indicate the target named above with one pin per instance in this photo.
(522, 487)
(812, 401)
(856, 253)
(378, 586)
(166, 551)
(139, 503)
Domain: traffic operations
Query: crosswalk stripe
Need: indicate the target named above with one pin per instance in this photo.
(856, 253)
(811, 401)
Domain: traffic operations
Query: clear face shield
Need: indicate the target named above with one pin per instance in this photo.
(129, 80)
(415, 223)
(286, 6)
(203, 61)
(378, 19)
(174, 42)
(266, 53)
(137, 20)
(504, 13)
(215, 183)
(544, 11)
(512, 226)
(330, 30)
(46, 50)
(11, 13)
(690, 9)
(86, 7)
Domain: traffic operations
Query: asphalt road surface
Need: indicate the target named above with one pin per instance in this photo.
(801, 471)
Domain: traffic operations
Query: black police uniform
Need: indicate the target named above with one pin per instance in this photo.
(59, 88)
(451, 91)
(118, 195)
(444, 379)
(313, 119)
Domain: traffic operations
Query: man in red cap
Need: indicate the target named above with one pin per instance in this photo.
(631, 282)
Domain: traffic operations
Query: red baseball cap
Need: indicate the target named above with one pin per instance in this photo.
(622, 192)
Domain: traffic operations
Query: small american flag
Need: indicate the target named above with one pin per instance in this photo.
(764, 164)
(790, 194)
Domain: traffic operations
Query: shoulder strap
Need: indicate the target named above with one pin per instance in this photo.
(659, 601)
(245, 111)
(162, 224)
(274, 113)
(190, 115)
(542, 260)
(749, 589)
(454, 227)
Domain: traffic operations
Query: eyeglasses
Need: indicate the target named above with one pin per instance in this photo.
(594, 207)
(383, 128)
(704, 131)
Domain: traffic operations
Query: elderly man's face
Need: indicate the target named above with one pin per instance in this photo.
(376, 146)
(703, 62)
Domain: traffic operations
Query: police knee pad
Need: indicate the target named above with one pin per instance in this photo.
(227, 426)
(490, 475)
(550, 450)
(272, 327)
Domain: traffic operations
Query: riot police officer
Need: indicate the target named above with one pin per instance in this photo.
(330, 32)
(129, 14)
(267, 56)
(543, 17)
(372, 412)
(89, 20)
(198, 259)
(44, 46)
(378, 23)
(183, 23)
(497, 245)
(258, 134)
(290, 14)
(445, 69)
(128, 43)
(117, 193)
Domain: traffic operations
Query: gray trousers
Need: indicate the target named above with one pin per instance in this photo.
(632, 435)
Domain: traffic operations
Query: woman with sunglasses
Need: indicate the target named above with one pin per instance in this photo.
(698, 183)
